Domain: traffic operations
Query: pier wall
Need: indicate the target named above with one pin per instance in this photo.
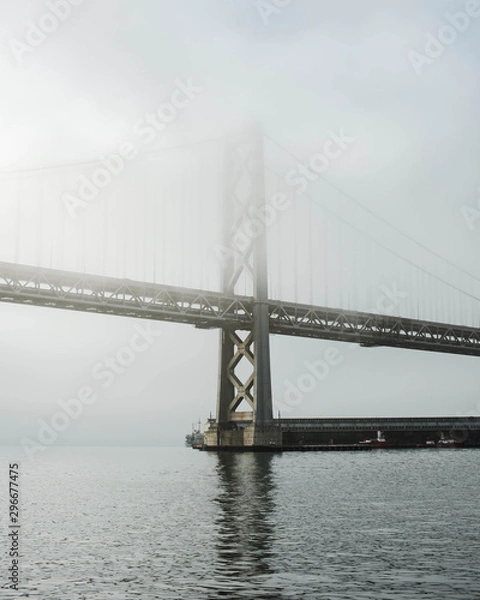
(296, 433)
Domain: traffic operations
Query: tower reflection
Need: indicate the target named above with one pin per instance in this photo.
(244, 523)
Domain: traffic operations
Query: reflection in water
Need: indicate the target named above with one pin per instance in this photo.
(173, 524)
(245, 521)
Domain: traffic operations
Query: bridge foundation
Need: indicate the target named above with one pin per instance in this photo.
(254, 437)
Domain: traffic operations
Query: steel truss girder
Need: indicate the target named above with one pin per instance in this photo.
(105, 295)
(370, 329)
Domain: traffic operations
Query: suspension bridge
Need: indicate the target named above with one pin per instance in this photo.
(214, 235)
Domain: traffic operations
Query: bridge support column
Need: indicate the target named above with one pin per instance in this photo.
(244, 402)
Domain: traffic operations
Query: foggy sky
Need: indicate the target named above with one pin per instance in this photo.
(315, 66)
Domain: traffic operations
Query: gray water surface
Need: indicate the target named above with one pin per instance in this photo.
(174, 523)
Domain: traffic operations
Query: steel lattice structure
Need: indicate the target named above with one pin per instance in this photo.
(244, 179)
(92, 293)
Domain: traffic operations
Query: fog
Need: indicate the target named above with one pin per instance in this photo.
(305, 70)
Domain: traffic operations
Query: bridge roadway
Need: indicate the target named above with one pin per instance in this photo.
(37, 286)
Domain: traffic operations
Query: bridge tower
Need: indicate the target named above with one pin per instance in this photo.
(244, 380)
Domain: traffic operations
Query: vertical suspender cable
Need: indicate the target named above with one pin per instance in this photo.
(163, 250)
(182, 235)
(326, 254)
(310, 242)
(154, 210)
(19, 215)
(39, 220)
(144, 233)
(352, 275)
(279, 250)
(295, 237)
(340, 264)
(61, 250)
(83, 252)
(125, 235)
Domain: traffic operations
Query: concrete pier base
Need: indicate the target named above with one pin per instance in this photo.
(248, 437)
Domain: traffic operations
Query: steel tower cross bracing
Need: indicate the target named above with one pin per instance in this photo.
(245, 262)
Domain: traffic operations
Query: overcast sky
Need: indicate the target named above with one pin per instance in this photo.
(304, 70)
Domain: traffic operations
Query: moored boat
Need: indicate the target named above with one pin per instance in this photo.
(445, 442)
(196, 438)
(379, 442)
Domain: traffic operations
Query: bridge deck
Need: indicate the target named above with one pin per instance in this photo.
(107, 295)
